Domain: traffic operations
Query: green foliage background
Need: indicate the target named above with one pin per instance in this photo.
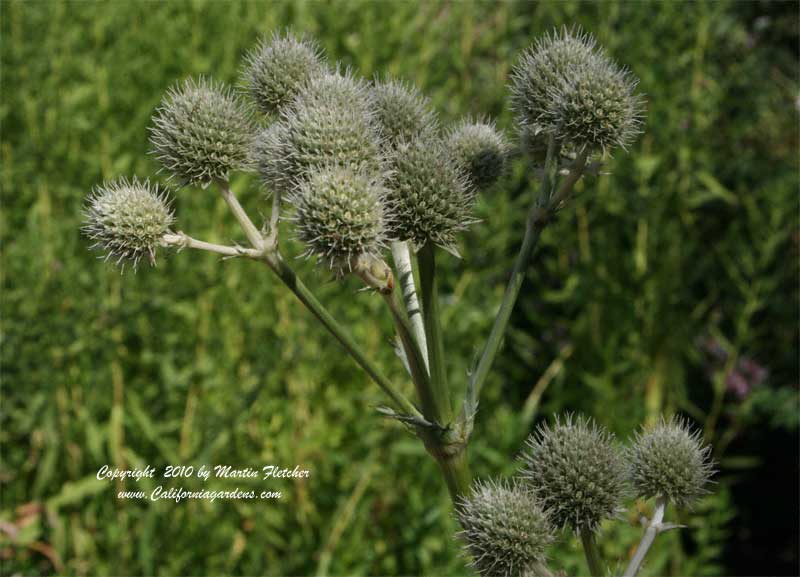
(693, 235)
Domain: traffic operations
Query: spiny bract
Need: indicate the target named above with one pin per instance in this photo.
(331, 122)
(670, 461)
(277, 69)
(576, 471)
(340, 215)
(481, 150)
(506, 532)
(201, 132)
(401, 111)
(127, 219)
(543, 67)
(431, 199)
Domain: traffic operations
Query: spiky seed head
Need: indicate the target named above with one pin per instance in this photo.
(278, 68)
(402, 113)
(505, 530)
(270, 158)
(331, 122)
(577, 472)
(669, 460)
(481, 150)
(596, 108)
(127, 219)
(201, 132)
(430, 196)
(340, 215)
(543, 67)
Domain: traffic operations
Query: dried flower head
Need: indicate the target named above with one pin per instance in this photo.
(278, 68)
(201, 132)
(576, 471)
(430, 196)
(340, 215)
(331, 122)
(670, 461)
(127, 219)
(401, 111)
(506, 531)
(481, 150)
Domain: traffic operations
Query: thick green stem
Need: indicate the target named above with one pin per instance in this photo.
(433, 333)
(592, 554)
(456, 473)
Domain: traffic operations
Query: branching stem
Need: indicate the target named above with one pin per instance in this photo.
(405, 274)
(654, 527)
(181, 240)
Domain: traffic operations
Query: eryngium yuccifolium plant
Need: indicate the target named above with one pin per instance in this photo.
(577, 472)
(596, 108)
(127, 219)
(481, 150)
(201, 132)
(505, 530)
(331, 122)
(278, 68)
(670, 461)
(402, 113)
(340, 215)
(270, 158)
(543, 67)
(430, 197)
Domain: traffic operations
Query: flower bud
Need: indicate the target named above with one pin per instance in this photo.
(340, 215)
(331, 122)
(670, 461)
(430, 197)
(201, 132)
(278, 68)
(481, 150)
(576, 471)
(127, 219)
(402, 113)
(506, 531)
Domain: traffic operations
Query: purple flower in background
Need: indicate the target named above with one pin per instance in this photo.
(747, 374)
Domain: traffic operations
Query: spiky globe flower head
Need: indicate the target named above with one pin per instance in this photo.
(331, 122)
(402, 113)
(430, 197)
(596, 109)
(340, 215)
(577, 472)
(270, 158)
(670, 461)
(557, 56)
(505, 530)
(127, 219)
(278, 68)
(201, 132)
(481, 150)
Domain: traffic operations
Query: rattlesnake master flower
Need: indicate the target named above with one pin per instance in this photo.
(576, 471)
(670, 461)
(430, 197)
(201, 132)
(481, 150)
(402, 113)
(278, 68)
(331, 122)
(596, 108)
(270, 157)
(543, 67)
(127, 219)
(506, 531)
(340, 215)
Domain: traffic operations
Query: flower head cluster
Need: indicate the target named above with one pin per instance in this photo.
(576, 471)
(277, 70)
(481, 150)
(201, 132)
(127, 219)
(340, 215)
(567, 87)
(670, 461)
(505, 530)
(401, 111)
